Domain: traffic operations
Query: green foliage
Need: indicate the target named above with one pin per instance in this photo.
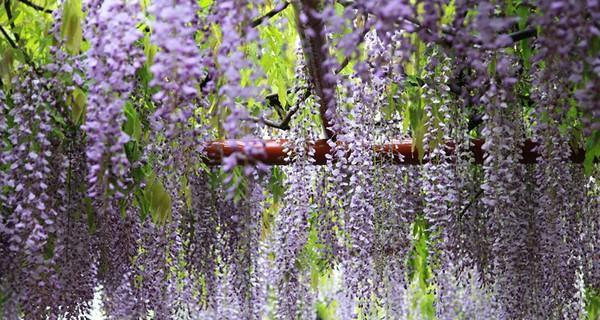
(392, 107)
(592, 304)
(276, 181)
(413, 99)
(6, 63)
(149, 49)
(326, 311)
(278, 57)
(419, 274)
(133, 124)
(592, 152)
(77, 101)
(156, 201)
(71, 27)
(417, 119)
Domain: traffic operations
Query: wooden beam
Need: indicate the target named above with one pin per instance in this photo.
(401, 152)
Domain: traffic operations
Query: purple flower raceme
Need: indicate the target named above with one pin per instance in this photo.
(177, 64)
(220, 237)
(503, 195)
(227, 69)
(291, 234)
(111, 62)
(74, 248)
(31, 220)
(591, 231)
(117, 246)
(202, 231)
(395, 202)
(558, 229)
(232, 16)
(557, 212)
(567, 33)
(357, 260)
(464, 296)
(438, 174)
(67, 254)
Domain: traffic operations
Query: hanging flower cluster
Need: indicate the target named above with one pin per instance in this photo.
(291, 236)
(177, 64)
(111, 63)
(32, 179)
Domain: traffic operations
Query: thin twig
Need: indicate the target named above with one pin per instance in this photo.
(258, 21)
(523, 34)
(15, 46)
(8, 38)
(473, 200)
(284, 124)
(10, 19)
(35, 6)
(273, 101)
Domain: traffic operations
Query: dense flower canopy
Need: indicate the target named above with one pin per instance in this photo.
(119, 196)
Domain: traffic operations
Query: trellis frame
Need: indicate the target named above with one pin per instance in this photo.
(278, 151)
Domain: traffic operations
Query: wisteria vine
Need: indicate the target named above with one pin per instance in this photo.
(135, 138)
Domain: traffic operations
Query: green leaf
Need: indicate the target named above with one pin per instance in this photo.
(592, 152)
(133, 125)
(205, 3)
(187, 192)
(326, 311)
(6, 64)
(158, 199)
(276, 183)
(419, 271)
(149, 49)
(417, 124)
(592, 303)
(282, 93)
(78, 106)
(142, 202)
(71, 27)
(523, 12)
(392, 106)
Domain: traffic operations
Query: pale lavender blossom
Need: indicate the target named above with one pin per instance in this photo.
(111, 62)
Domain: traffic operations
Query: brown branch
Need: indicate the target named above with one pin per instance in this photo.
(314, 46)
(273, 101)
(258, 21)
(283, 125)
(35, 6)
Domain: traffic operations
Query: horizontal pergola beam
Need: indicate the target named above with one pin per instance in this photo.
(401, 152)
